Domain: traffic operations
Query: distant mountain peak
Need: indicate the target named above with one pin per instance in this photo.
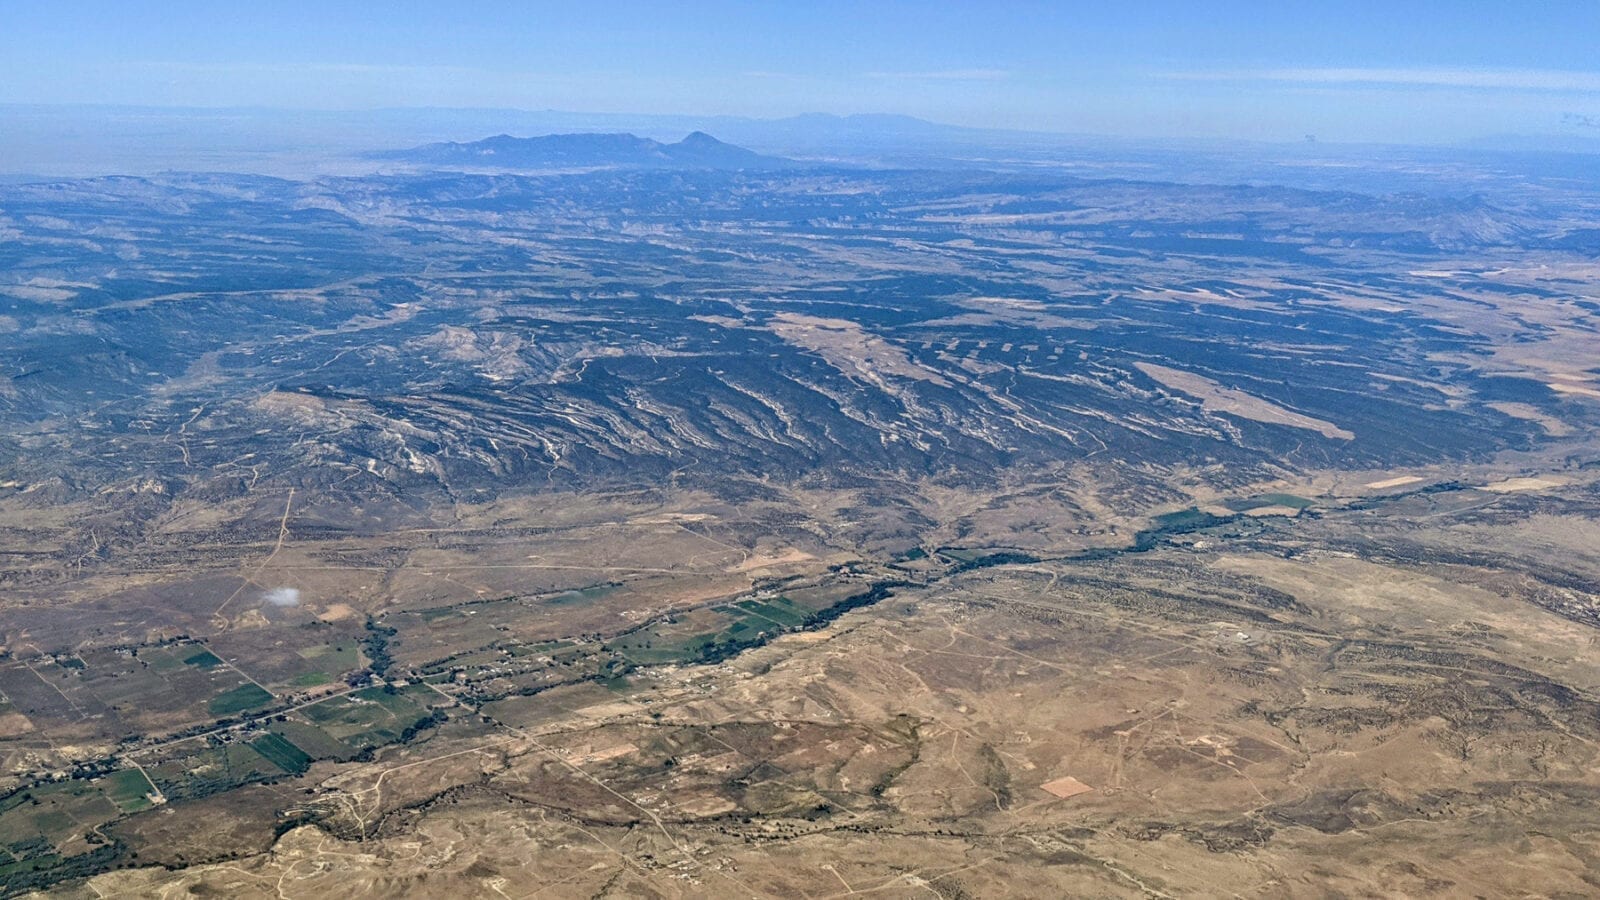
(587, 150)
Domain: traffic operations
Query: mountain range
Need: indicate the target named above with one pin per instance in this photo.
(620, 150)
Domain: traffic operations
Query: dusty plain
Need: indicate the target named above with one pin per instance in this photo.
(817, 534)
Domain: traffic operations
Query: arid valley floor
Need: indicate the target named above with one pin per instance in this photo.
(810, 532)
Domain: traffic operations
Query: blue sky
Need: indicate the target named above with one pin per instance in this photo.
(1394, 71)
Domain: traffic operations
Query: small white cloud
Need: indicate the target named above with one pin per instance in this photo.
(282, 596)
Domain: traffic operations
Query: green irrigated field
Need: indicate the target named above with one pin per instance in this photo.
(11, 867)
(313, 741)
(325, 663)
(281, 753)
(128, 789)
(780, 610)
(203, 658)
(371, 717)
(164, 659)
(36, 823)
(1261, 501)
(582, 595)
(114, 693)
(542, 648)
(1185, 519)
(705, 634)
(211, 771)
(50, 827)
(241, 698)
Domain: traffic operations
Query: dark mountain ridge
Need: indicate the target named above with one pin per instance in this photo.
(585, 150)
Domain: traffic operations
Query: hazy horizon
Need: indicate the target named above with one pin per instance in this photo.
(1369, 73)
